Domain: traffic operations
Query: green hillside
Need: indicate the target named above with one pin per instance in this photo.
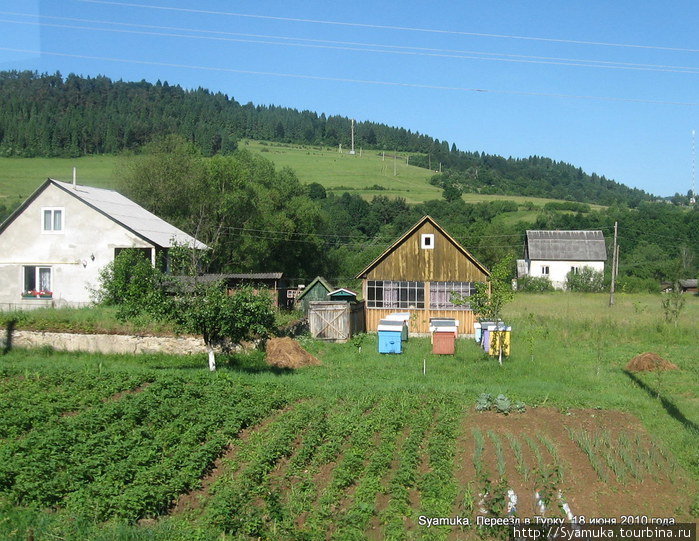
(44, 115)
(367, 175)
(19, 177)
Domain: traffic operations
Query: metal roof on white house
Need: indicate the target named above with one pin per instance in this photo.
(131, 215)
(566, 245)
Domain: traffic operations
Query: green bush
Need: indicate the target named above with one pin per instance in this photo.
(634, 284)
(133, 285)
(534, 284)
(586, 280)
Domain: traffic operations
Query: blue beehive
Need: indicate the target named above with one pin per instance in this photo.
(390, 336)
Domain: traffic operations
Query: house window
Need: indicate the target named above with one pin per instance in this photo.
(52, 219)
(442, 294)
(544, 270)
(393, 294)
(575, 270)
(37, 282)
(427, 241)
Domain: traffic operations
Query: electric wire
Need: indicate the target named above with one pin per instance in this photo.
(356, 81)
(358, 46)
(393, 27)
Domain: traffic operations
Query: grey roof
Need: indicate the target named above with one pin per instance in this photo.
(131, 215)
(257, 276)
(691, 282)
(566, 245)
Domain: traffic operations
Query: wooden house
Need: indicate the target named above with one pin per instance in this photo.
(317, 290)
(417, 274)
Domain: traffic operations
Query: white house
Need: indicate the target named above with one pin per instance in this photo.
(54, 245)
(553, 254)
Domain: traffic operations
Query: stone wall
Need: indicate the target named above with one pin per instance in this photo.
(110, 343)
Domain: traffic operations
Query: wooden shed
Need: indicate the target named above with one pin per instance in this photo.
(417, 274)
(335, 321)
(317, 290)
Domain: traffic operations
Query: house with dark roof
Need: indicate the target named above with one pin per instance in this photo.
(418, 274)
(53, 246)
(553, 254)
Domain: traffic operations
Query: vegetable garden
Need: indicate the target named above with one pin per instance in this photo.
(155, 447)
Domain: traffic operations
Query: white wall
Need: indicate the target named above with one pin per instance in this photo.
(86, 233)
(559, 269)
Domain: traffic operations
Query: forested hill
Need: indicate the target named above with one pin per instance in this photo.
(51, 115)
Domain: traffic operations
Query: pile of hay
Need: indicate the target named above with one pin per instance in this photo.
(648, 362)
(286, 353)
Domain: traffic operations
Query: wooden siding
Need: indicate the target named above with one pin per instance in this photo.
(443, 263)
(420, 320)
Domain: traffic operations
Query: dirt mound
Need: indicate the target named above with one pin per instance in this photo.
(648, 362)
(286, 353)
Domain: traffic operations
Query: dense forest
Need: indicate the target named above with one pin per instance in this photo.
(51, 115)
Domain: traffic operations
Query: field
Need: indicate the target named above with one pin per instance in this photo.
(336, 172)
(155, 447)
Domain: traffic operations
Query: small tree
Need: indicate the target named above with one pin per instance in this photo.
(488, 300)
(211, 312)
(673, 303)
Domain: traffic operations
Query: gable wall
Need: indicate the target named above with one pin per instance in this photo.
(410, 262)
(86, 232)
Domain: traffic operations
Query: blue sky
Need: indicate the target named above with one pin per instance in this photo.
(457, 71)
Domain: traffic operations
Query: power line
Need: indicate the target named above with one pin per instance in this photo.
(357, 81)
(393, 27)
(358, 46)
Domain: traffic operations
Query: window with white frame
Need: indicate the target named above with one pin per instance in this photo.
(37, 281)
(544, 270)
(427, 241)
(575, 270)
(442, 295)
(394, 294)
(52, 219)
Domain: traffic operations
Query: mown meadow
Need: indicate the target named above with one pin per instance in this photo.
(156, 447)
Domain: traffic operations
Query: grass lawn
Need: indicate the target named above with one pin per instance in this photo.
(19, 177)
(339, 173)
(155, 447)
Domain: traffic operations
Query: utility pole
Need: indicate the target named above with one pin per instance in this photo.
(615, 262)
(352, 150)
(395, 157)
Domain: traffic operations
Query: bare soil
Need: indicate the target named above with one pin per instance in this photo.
(287, 353)
(658, 494)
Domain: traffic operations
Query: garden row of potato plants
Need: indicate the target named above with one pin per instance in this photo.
(132, 457)
(318, 470)
(30, 399)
